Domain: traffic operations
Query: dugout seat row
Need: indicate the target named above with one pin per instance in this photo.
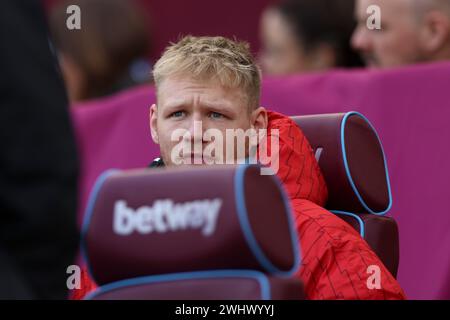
(227, 232)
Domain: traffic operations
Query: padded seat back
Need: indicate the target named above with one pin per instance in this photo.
(352, 160)
(198, 233)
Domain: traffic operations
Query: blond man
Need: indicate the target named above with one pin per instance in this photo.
(215, 81)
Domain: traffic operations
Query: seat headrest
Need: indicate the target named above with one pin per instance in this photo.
(352, 161)
(159, 221)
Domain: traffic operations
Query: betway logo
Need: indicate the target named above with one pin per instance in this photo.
(165, 216)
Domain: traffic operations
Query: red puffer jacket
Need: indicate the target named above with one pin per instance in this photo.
(335, 258)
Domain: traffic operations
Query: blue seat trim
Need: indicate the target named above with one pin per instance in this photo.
(198, 275)
(347, 170)
(358, 218)
(88, 215)
(247, 230)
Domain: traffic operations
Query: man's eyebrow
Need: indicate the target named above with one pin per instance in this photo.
(175, 104)
(218, 105)
(224, 106)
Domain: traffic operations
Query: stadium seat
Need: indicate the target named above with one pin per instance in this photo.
(211, 233)
(352, 160)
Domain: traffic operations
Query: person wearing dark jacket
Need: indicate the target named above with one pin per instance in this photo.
(38, 161)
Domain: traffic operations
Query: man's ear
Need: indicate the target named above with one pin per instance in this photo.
(436, 33)
(153, 123)
(259, 119)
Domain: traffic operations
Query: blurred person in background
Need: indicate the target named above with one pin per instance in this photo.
(412, 31)
(38, 161)
(307, 35)
(109, 52)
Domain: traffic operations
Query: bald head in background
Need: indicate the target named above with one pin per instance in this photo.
(412, 31)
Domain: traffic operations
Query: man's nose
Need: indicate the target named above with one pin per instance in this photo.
(360, 39)
(196, 129)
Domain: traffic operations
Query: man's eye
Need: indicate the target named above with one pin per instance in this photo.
(216, 115)
(177, 114)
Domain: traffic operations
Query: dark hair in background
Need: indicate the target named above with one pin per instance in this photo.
(113, 34)
(317, 22)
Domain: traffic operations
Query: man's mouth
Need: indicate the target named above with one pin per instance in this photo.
(197, 158)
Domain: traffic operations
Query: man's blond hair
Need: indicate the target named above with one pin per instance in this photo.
(212, 58)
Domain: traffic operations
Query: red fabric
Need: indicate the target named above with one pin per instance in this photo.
(334, 256)
(86, 286)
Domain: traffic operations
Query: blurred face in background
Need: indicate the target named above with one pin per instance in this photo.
(281, 54)
(411, 32)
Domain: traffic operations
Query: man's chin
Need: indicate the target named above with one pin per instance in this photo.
(372, 64)
(184, 163)
(370, 61)
(205, 162)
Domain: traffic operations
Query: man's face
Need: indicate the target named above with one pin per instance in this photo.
(397, 43)
(184, 103)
